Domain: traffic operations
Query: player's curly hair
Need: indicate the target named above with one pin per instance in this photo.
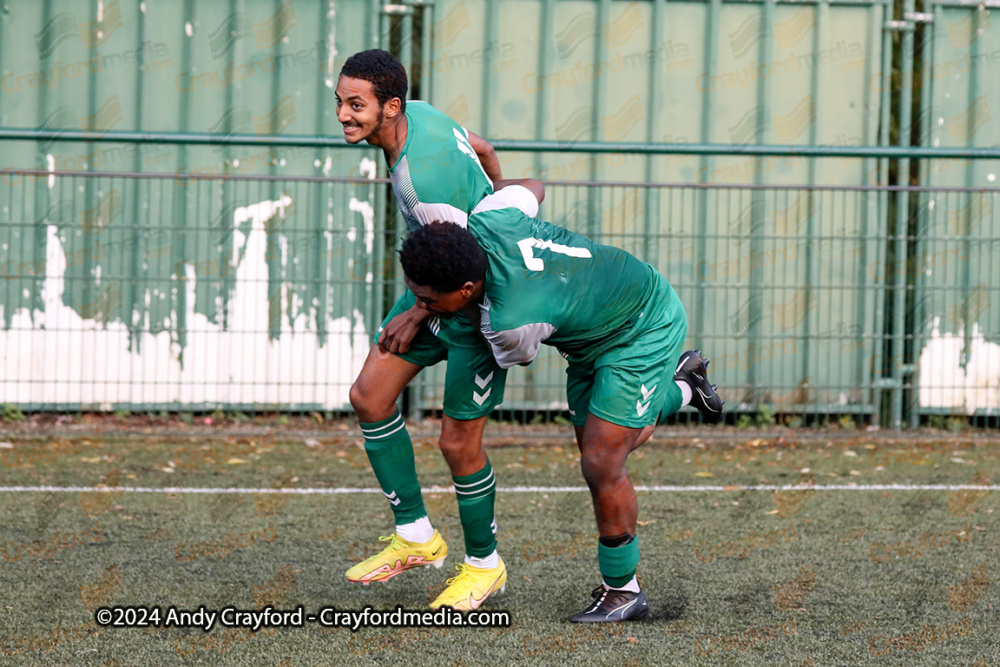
(442, 256)
(381, 69)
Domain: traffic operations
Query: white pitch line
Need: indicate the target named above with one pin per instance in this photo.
(510, 489)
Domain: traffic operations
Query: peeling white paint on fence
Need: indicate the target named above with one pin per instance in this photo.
(947, 382)
(56, 356)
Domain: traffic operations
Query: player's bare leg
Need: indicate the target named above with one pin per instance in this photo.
(604, 447)
(415, 543)
(381, 381)
(461, 444)
(644, 435)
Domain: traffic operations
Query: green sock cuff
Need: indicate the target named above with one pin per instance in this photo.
(380, 429)
(477, 476)
(618, 564)
(673, 403)
(477, 484)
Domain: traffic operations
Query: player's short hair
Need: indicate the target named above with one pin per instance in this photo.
(443, 256)
(381, 69)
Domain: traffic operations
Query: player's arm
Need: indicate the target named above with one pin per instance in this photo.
(524, 194)
(487, 157)
(400, 331)
(533, 185)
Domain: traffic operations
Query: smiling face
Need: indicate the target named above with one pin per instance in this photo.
(358, 110)
(446, 303)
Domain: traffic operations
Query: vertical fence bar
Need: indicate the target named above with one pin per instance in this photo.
(763, 123)
(406, 40)
(490, 32)
(901, 286)
(815, 292)
(42, 194)
(652, 195)
(427, 52)
(178, 237)
(594, 226)
(928, 203)
(91, 289)
(884, 345)
(870, 216)
(373, 21)
(975, 116)
(707, 119)
(133, 306)
(544, 58)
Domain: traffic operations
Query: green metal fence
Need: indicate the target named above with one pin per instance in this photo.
(777, 282)
(155, 292)
(182, 227)
(789, 290)
(956, 320)
(147, 292)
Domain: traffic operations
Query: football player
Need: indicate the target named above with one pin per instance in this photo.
(438, 171)
(619, 324)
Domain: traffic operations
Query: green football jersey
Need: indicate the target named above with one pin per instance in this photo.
(438, 175)
(548, 284)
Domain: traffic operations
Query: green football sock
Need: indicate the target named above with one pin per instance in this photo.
(476, 495)
(618, 564)
(672, 403)
(391, 454)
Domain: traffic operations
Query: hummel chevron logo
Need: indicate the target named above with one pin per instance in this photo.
(640, 409)
(393, 500)
(434, 324)
(482, 382)
(479, 398)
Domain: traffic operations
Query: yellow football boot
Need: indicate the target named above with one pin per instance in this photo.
(398, 557)
(471, 586)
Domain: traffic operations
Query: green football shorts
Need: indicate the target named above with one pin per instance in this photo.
(629, 384)
(473, 384)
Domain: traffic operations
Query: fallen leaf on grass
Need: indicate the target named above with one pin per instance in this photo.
(235, 461)
(703, 473)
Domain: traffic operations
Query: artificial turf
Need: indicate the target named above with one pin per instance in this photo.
(807, 576)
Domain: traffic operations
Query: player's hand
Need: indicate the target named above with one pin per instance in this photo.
(399, 332)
